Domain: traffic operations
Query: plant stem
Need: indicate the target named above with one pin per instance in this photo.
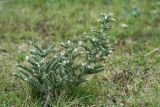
(46, 104)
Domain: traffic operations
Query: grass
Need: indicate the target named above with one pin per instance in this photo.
(130, 78)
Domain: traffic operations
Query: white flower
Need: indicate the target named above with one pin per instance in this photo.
(110, 51)
(106, 17)
(80, 43)
(38, 65)
(100, 53)
(88, 66)
(35, 74)
(62, 43)
(63, 57)
(89, 58)
(27, 58)
(123, 25)
(55, 56)
(66, 61)
(98, 20)
(42, 61)
(44, 50)
(87, 52)
(109, 55)
(111, 14)
(25, 79)
(94, 39)
(62, 53)
(83, 64)
(105, 57)
(75, 50)
(81, 52)
(69, 42)
(65, 77)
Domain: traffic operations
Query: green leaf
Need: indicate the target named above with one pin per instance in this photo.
(37, 47)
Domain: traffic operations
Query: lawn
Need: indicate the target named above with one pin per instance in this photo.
(132, 73)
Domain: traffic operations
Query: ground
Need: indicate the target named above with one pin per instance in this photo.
(132, 76)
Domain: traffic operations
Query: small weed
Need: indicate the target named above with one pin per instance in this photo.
(66, 68)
